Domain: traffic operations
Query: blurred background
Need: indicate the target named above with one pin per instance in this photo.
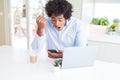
(17, 17)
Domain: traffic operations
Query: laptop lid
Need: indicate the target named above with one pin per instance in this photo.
(74, 57)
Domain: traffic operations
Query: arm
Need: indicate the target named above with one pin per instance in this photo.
(38, 42)
(41, 22)
(81, 35)
(39, 39)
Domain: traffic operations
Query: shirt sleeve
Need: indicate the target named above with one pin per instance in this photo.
(38, 42)
(81, 35)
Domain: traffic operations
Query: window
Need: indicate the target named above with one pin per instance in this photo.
(110, 10)
(24, 14)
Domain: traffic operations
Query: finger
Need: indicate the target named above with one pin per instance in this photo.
(39, 19)
(53, 55)
(60, 51)
(50, 55)
(43, 20)
(49, 52)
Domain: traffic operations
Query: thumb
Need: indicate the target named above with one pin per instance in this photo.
(60, 51)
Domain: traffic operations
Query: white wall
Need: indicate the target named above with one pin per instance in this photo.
(107, 1)
(87, 10)
(83, 9)
(77, 8)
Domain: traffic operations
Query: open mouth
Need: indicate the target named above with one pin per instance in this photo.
(59, 28)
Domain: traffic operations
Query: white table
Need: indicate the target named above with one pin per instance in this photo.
(15, 65)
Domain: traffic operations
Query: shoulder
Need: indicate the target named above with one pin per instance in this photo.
(73, 21)
(78, 24)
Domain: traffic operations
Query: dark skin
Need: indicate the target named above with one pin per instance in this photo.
(55, 55)
(58, 22)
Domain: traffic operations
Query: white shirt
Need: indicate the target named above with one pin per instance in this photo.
(72, 34)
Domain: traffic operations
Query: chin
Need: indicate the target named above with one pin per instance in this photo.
(59, 29)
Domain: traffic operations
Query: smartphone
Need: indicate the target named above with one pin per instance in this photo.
(52, 51)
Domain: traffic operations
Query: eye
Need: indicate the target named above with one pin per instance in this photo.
(53, 19)
(60, 20)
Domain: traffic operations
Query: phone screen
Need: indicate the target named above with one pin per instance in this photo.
(53, 51)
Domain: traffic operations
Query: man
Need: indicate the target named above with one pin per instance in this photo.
(60, 29)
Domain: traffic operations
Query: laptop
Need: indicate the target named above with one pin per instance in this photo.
(75, 57)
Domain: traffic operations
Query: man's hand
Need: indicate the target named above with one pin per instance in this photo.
(55, 55)
(41, 22)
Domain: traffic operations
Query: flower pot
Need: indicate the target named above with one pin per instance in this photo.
(98, 29)
(112, 33)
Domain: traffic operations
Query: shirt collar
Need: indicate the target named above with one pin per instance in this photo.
(67, 22)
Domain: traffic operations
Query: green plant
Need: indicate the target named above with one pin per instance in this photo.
(95, 21)
(104, 21)
(113, 27)
(100, 21)
(56, 63)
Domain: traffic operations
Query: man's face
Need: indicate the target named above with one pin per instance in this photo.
(58, 21)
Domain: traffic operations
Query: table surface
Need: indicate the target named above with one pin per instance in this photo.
(15, 65)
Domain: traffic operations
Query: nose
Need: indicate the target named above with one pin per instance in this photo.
(56, 23)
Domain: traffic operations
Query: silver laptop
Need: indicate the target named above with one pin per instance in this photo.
(74, 57)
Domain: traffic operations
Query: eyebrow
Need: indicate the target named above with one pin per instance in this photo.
(58, 18)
